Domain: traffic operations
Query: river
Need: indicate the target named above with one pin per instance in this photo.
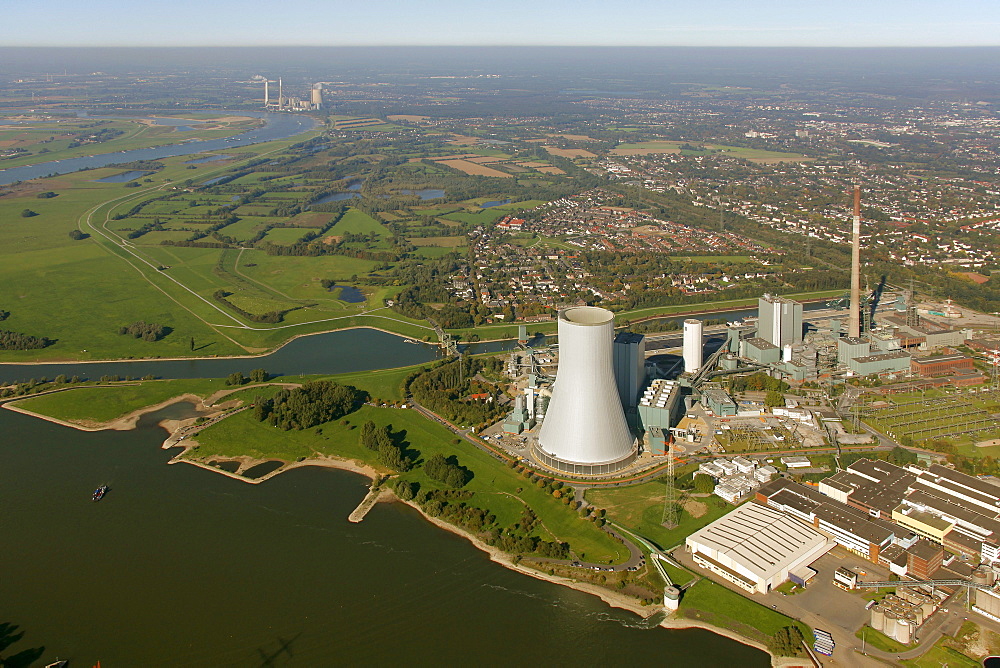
(277, 126)
(182, 566)
(332, 352)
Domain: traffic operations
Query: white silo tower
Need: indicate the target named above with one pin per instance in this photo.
(693, 335)
(585, 430)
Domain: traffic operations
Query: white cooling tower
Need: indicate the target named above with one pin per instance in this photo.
(693, 330)
(584, 430)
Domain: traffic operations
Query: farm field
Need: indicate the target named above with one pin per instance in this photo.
(473, 168)
(753, 155)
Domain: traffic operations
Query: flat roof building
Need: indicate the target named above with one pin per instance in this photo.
(755, 547)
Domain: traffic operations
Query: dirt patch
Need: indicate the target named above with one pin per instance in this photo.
(569, 152)
(695, 509)
(473, 168)
(32, 188)
(407, 117)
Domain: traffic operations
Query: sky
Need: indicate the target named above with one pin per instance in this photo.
(501, 22)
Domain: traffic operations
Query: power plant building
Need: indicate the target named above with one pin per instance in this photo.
(630, 366)
(779, 320)
(584, 431)
(660, 405)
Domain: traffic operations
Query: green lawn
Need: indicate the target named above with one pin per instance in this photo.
(939, 656)
(879, 640)
(358, 222)
(710, 602)
(105, 403)
(640, 508)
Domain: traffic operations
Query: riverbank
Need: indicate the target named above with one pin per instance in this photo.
(124, 423)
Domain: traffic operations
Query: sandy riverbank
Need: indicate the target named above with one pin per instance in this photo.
(124, 423)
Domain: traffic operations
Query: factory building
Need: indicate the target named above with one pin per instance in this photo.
(940, 365)
(851, 528)
(630, 366)
(955, 510)
(584, 431)
(779, 320)
(756, 547)
(718, 402)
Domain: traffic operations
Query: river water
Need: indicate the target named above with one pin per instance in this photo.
(277, 126)
(179, 566)
(333, 352)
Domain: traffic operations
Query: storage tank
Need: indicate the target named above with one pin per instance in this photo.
(904, 631)
(918, 615)
(927, 607)
(878, 618)
(693, 344)
(891, 620)
(584, 430)
(983, 576)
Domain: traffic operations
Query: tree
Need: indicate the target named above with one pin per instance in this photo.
(774, 398)
(259, 376)
(236, 378)
(77, 235)
(28, 213)
(703, 483)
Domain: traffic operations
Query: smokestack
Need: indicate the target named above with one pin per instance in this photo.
(854, 328)
(281, 95)
(267, 97)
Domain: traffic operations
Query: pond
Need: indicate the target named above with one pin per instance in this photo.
(425, 194)
(487, 205)
(349, 294)
(122, 177)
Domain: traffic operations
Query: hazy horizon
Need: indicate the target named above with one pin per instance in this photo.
(711, 23)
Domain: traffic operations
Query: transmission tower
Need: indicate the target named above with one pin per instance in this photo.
(670, 519)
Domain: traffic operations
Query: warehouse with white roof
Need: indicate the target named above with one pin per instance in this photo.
(756, 547)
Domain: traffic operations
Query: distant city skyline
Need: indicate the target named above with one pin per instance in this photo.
(845, 23)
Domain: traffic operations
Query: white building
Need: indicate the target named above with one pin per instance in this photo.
(755, 547)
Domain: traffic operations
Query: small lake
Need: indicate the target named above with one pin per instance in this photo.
(215, 180)
(337, 197)
(487, 205)
(354, 185)
(425, 194)
(349, 294)
(207, 158)
(122, 178)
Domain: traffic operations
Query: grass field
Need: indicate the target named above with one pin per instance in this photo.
(751, 154)
(710, 602)
(358, 222)
(88, 405)
(640, 509)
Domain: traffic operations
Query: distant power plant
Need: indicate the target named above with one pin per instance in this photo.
(584, 431)
(282, 103)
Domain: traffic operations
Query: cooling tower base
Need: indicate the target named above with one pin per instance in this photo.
(576, 468)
